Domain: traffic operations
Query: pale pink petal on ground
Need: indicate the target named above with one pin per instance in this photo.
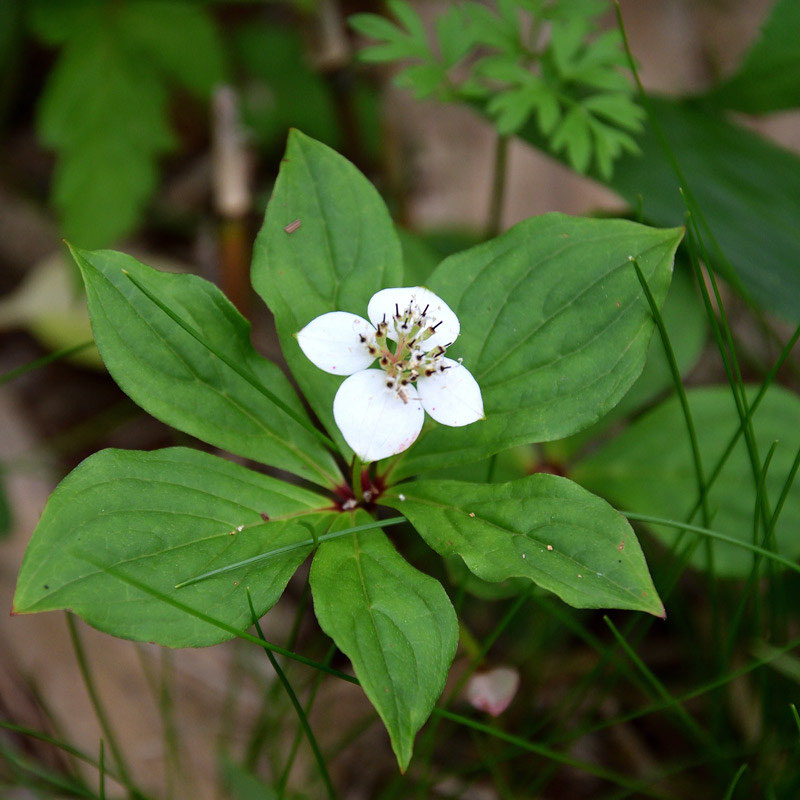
(494, 690)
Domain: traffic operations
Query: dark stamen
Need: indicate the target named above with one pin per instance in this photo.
(396, 310)
(424, 310)
(434, 327)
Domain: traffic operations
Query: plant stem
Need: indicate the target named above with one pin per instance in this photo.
(94, 697)
(498, 186)
(358, 491)
(301, 715)
(44, 360)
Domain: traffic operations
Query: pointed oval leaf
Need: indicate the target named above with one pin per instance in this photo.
(178, 380)
(395, 624)
(649, 468)
(344, 250)
(555, 329)
(161, 518)
(543, 528)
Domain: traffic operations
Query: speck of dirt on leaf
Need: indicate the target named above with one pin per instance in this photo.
(292, 226)
(549, 547)
(621, 546)
(472, 514)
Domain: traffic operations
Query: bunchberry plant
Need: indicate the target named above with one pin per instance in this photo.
(184, 547)
(544, 62)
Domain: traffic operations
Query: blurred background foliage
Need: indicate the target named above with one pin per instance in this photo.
(117, 132)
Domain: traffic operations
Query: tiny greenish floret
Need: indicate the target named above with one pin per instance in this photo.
(380, 412)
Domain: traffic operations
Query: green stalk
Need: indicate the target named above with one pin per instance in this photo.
(497, 196)
(301, 715)
(65, 352)
(94, 697)
(531, 747)
(312, 542)
(284, 778)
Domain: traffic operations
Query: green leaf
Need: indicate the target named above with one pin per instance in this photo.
(163, 517)
(395, 624)
(179, 381)
(543, 528)
(282, 90)
(181, 37)
(104, 109)
(687, 326)
(422, 79)
(454, 35)
(554, 328)
(344, 251)
(748, 190)
(572, 136)
(649, 469)
(769, 76)
(419, 258)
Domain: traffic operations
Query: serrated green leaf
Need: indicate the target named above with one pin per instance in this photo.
(422, 79)
(344, 251)
(649, 468)
(510, 109)
(410, 19)
(111, 176)
(616, 107)
(554, 329)
(572, 137)
(543, 528)
(566, 38)
(181, 37)
(163, 517)
(177, 380)
(395, 624)
(107, 95)
(491, 30)
(454, 35)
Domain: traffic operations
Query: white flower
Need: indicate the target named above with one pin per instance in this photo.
(380, 411)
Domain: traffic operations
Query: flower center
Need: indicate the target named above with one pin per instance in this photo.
(402, 356)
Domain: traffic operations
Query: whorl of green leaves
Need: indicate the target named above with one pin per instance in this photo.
(104, 106)
(542, 59)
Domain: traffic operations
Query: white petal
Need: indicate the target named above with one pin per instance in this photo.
(494, 690)
(373, 419)
(384, 302)
(331, 342)
(452, 397)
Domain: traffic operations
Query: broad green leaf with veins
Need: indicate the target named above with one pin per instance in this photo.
(648, 468)
(179, 381)
(343, 252)
(395, 624)
(161, 518)
(555, 330)
(543, 528)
